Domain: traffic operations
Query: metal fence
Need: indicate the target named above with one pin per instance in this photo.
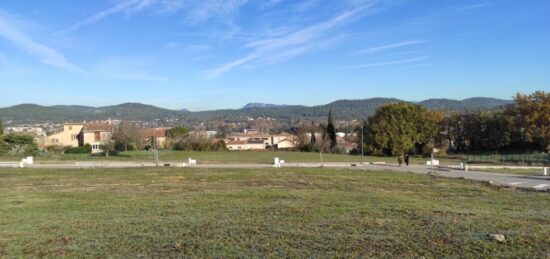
(508, 159)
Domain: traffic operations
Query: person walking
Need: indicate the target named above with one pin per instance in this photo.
(407, 159)
(400, 160)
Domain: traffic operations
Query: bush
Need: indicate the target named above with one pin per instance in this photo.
(119, 146)
(199, 145)
(4, 147)
(86, 149)
(56, 149)
(18, 145)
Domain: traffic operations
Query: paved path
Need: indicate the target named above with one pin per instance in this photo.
(539, 183)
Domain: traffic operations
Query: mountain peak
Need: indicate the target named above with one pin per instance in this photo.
(261, 105)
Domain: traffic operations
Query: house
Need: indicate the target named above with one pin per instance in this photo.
(255, 140)
(96, 134)
(79, 134)
(159, 134)
(204, 134)
(67, 137)
(283, 141)
(245, 145)
(346, 145)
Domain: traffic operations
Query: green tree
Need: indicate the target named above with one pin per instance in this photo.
(177, 133)
(1, 127)
(331, 131)
(15, 144)
(312, 139)
(397, 128)
(530, 115)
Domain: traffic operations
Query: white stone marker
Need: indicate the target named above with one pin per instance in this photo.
(277, 162)
(192, 162)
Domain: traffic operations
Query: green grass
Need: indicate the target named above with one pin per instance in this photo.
(166, 212)
(511, 171)
(262, 157)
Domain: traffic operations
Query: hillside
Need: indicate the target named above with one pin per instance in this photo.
(463, 105)
(32, 113)
(342, 109)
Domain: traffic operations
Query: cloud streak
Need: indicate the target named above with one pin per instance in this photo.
(134, 5)
(282, 48)
(44, 53)
(195, 11)
(476, 6)
(386, 63)
(390, 46)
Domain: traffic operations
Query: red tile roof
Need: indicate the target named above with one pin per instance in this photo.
(97, 126)
(158, 132)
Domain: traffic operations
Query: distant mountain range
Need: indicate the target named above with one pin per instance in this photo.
(342, 109)
(261, 105)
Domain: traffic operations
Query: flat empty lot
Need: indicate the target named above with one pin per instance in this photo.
(287, 212)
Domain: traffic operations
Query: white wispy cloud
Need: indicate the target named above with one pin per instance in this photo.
(194, 11)
(391, 46)
(202, 11)
(134, 5)
(386, 63)
(476, 6)
(296, 43)
(44, 53)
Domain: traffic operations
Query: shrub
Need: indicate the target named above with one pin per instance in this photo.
(119, 146)
(56, 149)
(86, 149)
(199, 145)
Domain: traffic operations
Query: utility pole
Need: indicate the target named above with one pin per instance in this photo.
(362, 145)
(155, 151)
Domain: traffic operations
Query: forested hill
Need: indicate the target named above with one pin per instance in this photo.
(463, 105)
(342, 109)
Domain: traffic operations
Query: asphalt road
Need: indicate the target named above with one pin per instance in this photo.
(538, 183)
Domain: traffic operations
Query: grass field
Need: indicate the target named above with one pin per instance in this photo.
(263, 157)
(164, 212)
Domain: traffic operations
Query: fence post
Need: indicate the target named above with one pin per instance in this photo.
(545, 171)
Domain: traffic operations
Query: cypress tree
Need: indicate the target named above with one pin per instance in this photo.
(331, 131)
(312, 140)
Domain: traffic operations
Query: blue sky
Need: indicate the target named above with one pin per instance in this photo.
(201, 54)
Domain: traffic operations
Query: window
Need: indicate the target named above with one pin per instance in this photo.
(70, 127)
(95, 147)
(97, 136)
(73, 137)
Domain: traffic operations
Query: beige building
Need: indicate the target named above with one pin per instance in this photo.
(68, 137)
(79, 134)
(254, 140)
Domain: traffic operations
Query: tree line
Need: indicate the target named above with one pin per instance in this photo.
(399, 128)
